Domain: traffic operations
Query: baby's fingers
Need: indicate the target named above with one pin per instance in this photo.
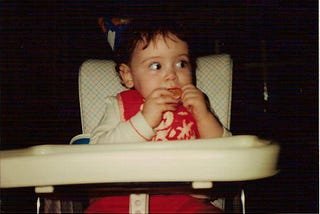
(191, 92)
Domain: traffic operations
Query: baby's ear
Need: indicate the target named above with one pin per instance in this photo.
(126, 76)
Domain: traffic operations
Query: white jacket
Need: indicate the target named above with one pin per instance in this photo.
(112, 129)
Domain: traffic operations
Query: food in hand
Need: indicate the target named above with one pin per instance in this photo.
(177, 92)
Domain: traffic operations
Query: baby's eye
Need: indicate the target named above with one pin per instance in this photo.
(155, 66)
(182, 64)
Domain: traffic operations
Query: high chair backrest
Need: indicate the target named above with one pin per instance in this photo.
(98, 79)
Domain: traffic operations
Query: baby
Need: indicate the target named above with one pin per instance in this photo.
(162, 103)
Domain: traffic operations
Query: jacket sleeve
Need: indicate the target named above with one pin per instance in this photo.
(226, 133)
(111, 129)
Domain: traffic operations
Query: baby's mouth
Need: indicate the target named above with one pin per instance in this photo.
(177, 92)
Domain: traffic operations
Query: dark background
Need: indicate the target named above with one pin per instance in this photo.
(44, 42)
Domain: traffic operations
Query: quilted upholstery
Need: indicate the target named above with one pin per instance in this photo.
(98, 79)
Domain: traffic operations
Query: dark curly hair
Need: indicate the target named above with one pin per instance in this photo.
(147, 30)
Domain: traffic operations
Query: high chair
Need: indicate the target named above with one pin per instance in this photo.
(197, 163)
(98, 79)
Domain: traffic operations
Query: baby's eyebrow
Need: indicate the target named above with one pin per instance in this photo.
(151, 58)
(155, 58)
(184, 55)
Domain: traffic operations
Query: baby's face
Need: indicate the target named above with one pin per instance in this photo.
(164, 63)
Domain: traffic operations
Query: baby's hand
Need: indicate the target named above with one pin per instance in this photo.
(159, 101)
(194, 100)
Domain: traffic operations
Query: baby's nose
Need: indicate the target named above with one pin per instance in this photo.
(171, 74)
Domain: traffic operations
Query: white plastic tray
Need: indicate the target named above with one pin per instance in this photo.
(236, 158)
